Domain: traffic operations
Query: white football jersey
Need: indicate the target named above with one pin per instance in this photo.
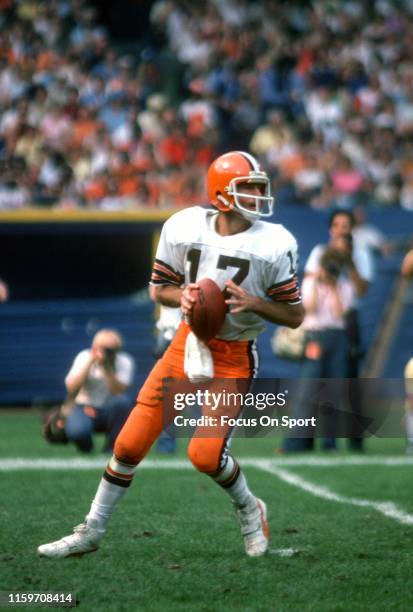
(262, 260)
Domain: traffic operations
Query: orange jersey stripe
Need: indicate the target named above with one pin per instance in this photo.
(291, 284)
(159, 267)
(288, 297)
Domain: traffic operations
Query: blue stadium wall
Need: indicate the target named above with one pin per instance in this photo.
(70, 274)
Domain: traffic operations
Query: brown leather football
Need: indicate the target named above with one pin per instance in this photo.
(209, 310)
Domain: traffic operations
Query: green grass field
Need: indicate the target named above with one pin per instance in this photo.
(174, 543)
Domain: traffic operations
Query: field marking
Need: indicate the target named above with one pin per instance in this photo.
(285, 552)
(386, 508)
(91, 463)
(20, 463)
(276, 467)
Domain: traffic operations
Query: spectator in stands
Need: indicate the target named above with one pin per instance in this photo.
(13, 195)
(406, 192)
(98, 384)
(271, 137)
(325, 109)
(344, 186)
(310, 181)
(343, 75)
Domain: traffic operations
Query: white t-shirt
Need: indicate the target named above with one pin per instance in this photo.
(262, 260)
(368, 237)
(324, 317)
(95, 391)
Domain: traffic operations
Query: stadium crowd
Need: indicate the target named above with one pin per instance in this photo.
(321, 93)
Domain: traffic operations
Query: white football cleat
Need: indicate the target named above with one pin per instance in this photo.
(85, 539)
(254, 527)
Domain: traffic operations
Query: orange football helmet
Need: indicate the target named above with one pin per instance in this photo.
(224, 176)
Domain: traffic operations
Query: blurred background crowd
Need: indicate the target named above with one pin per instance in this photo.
(321, 92)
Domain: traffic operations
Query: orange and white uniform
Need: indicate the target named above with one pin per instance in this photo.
(262, 260)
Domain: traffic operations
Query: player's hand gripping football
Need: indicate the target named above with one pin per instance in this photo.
(188, 299)
(240, 300)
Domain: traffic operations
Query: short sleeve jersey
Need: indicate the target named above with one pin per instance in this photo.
(262, 260)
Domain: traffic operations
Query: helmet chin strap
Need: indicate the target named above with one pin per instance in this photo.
(251, 217)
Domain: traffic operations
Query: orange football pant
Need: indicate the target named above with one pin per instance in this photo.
(232, 360)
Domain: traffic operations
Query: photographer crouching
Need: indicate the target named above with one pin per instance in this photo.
(97, 386)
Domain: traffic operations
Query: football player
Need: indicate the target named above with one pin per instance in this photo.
(406, 270)
(408, 383)
(407, 265)
(255, 263)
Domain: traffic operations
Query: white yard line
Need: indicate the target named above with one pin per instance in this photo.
(285, 552)
(20, 463)
(386, 508)
(82, 463)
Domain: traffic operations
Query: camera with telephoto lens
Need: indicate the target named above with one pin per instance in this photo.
(332, 269)
(349, 241)
(332, 262)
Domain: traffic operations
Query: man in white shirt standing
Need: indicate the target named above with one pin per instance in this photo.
(97, 386)
(326, 297)
(358, 267)
(358, 262)
(358, 270)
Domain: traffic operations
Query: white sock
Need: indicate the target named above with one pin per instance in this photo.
(409, 425)
(233, 481)
(113, 486)
(105, 501)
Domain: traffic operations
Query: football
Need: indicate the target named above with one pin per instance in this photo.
(209, 310)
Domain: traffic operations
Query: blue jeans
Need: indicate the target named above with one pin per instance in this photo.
(333, 360)
(332, 363)
(83, 421)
